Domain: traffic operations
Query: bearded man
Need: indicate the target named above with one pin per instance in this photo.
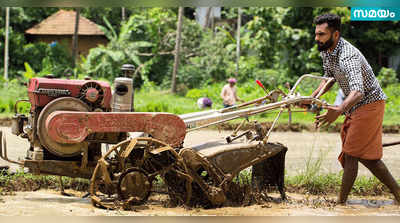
(363, 106)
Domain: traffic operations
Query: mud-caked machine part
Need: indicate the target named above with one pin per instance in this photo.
(206, 186)
(124, 175)
(270, 173)
(213, 175)
(134, 186)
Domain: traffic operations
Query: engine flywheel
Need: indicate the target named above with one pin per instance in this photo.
(60, 104)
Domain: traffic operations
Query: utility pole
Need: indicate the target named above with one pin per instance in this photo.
(6, 44)
(177, 48)
(207, 21)
(239, 22)
(75, 39)
(123, 13)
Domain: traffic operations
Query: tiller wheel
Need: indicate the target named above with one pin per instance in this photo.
(123, 176)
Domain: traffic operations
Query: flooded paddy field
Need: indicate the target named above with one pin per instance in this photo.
(302, 146)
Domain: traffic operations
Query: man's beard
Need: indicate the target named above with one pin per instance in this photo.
(325, 46)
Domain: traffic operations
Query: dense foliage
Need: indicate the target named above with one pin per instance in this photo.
(277, 45)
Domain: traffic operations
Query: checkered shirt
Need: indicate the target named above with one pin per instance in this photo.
(352, 72)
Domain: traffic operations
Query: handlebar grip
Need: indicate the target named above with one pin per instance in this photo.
(261, 85)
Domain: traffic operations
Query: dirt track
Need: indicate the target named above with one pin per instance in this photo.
(301, 146)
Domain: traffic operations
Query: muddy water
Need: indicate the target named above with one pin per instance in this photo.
(302, 145)
(46, 202)
(305, 145)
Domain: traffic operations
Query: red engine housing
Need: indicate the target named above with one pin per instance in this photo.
(43, 90)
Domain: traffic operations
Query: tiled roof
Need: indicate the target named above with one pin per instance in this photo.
(63, 23)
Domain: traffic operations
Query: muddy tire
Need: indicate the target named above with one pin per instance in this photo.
(134, 186)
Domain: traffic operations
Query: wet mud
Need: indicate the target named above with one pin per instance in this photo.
(50, 202)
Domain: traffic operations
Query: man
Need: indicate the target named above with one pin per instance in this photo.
(228, 93)
(364, 106)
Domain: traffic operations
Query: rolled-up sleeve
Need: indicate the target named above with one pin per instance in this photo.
(351, 65)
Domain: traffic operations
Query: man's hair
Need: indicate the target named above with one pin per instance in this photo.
(332, 20)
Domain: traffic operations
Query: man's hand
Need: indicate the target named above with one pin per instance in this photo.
(329, 117)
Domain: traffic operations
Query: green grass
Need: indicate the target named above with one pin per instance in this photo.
(312, 180)
(9, 94)
(163, 101)
(21, 181)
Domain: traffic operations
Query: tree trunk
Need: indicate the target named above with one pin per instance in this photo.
(239, 21)
(75, 39)
(6, 44)
(177, 48)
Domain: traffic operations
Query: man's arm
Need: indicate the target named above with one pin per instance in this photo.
(335, 111)
(352, 66)
(321, 85)
(353, 98)
(223, 93)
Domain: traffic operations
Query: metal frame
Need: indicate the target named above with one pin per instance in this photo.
(198, 120)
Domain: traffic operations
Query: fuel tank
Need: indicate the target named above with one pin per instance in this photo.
(43, 90)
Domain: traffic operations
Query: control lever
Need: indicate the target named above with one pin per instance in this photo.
(245, 133)
(262, 86)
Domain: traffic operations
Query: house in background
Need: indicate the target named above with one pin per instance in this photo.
(59, 28)
(214, 13)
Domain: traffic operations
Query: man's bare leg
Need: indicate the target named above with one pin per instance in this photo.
(380, 171)
(349, 176)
